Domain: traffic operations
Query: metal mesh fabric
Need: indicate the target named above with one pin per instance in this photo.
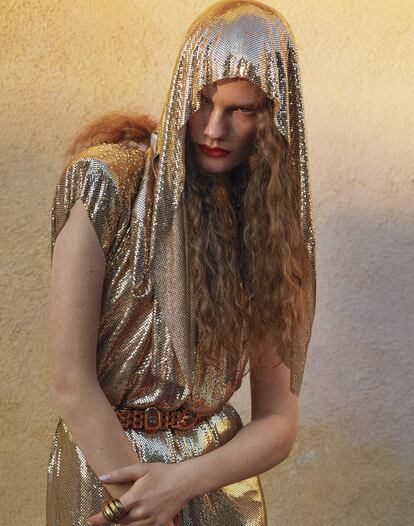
(146, 352)
(251, 41)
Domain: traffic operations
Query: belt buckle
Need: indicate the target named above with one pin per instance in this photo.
(152, 419)
(192, 420)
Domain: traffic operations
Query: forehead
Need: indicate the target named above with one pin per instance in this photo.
(232, 89)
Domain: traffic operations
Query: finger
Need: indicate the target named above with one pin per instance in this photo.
(98, 518)
(135, 515)
(124, 474)
(134, 519)
(141, 523)
(145, 522)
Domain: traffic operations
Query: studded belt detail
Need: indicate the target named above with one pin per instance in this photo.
(153, 419)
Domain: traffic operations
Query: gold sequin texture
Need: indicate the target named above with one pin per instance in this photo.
(146, 352)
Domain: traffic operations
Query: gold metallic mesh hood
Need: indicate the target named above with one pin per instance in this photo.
(244, 39)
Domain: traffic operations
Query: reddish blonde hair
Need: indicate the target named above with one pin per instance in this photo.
(113, 127)
(251, 270)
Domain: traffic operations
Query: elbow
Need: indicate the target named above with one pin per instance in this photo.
(289, 432)
(289, 448)
(292, 434)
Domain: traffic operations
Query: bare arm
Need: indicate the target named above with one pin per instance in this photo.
(260, 445)
(78, 268)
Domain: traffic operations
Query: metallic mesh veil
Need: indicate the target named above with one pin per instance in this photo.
(244, 39)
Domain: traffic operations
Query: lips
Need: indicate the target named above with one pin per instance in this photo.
(213, 152)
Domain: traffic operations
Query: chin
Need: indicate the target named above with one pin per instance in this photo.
(215, 166)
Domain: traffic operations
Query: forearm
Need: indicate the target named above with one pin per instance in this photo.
(97, 431)
(256, 448)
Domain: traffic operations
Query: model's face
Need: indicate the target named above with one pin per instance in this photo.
(225, 120)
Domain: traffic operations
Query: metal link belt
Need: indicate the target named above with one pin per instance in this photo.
(153, 419)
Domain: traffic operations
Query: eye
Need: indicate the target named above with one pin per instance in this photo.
(247, 111)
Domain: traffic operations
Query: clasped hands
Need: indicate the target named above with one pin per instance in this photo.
(158, 493)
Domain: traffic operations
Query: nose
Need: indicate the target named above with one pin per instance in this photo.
(216, 127)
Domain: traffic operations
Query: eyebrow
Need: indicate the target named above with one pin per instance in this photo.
(246, 105)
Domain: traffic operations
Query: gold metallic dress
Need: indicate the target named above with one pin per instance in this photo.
(136, 364)
(147, 352)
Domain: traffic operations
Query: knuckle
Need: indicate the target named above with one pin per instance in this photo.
(140, 513)
(135, 502)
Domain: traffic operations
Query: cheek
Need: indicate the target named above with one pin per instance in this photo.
(246, 134)
(195, 125)
(191, 128)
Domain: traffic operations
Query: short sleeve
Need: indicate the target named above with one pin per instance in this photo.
(92, 181)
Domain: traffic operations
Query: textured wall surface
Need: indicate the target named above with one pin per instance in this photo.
(66, 62)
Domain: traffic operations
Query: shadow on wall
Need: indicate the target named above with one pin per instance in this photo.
(352, 465)
(365, 305)
(340, 482)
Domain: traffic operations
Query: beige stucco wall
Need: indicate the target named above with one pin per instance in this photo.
(65, 62)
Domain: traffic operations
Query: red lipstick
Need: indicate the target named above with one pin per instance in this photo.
(213, 152)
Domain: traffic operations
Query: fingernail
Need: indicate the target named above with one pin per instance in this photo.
(104, 477)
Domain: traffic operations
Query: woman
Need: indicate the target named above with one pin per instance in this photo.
(179, 255)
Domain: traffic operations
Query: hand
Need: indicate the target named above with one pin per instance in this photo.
(159, 492)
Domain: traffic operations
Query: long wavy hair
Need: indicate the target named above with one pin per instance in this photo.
(248, 252)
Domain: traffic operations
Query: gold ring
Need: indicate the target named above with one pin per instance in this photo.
(113, 510)
(120, 507)
(107, 513)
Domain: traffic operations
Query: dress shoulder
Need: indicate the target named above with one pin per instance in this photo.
(105, 178)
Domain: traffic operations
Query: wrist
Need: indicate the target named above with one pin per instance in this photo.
(197, 480)
(190, 472)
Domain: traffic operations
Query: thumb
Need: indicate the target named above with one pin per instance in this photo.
(125, 474)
